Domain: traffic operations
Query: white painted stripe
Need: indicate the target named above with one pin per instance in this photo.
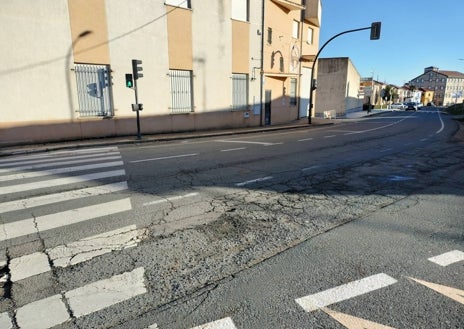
(381, 127)
(330, 136)
(310, 168)
(51, 311)
(173, 198)
(166, 158)
(61, 163)
(352, 289)
(18, 161)
(42, 314)
(235, 149)
(104, 293)
(59, 171)
(254, 181)
(225, 323)
(57, 220)
(61, 197)
(29, 265)
(448, 258)
(246, 142)
(305, 139)
(59, 181)
(424, 139)
(442, 124)
(5, 321)
(352, 322)
(386, 149)
(93, 246)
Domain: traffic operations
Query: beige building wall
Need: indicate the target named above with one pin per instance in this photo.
(41, 102)
(338, 86)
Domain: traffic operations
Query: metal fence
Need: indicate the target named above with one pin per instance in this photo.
(181, 91)
(239, 91)
(94, 91)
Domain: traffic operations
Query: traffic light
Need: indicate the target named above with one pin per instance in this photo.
(375, 30)
(136, 68)
(129, 81)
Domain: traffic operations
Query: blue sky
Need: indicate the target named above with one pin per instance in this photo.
(415, 34)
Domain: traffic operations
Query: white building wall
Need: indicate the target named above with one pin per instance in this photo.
(36, 57)
(143, 36)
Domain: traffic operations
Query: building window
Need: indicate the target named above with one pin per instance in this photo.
(309, 40)
(269, 35)
(240, 10)
(296, 29)
(239, 91)
(181, 91)
(178, 3)
(293, 91)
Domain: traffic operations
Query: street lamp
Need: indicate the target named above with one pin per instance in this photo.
(375, 35)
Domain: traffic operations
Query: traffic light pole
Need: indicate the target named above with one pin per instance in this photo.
(375, 35)
(137, 107)
(139, 134)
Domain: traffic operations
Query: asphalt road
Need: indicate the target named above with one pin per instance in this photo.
(179, 234)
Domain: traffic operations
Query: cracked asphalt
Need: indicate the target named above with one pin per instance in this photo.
(200, 227)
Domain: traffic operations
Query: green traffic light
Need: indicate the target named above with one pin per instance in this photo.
(129, 81)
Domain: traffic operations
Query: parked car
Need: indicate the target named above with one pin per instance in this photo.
(411, 106)
(398, 106)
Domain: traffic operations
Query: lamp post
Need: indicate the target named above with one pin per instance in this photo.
(375, 35)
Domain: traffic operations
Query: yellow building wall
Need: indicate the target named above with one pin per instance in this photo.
(90, 16)
(240, 46)
(180, 38)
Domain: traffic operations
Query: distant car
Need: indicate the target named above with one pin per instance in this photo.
(398, 106)
(411, 106)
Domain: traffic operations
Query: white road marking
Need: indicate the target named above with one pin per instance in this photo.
(104, 293)
(31, 159)
(352, 322)
(93, 246)
(61, 219)
(42, 314)
(60, 181)
(75, 252)
(29, 265)
(424, 139)
(346, 291)
(5, 321)
(53, 162)
(448, 258)
(254, 181)
(246, 142)
(305, 139)
(60, 197)
(59, 171)
(386, 149)
(225, 323)
(173, 198)
(51, 311)
(442, 124)
(310, 168)
(166, 158)
(330, 136)
(235, 149)
(377, 128)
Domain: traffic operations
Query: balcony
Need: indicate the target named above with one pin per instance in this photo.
(290, 5)
(313, 12)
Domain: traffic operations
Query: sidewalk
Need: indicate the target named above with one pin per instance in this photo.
(113, 141)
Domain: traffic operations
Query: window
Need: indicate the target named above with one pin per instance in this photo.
(293, 91)
(239, 91)
(269, 35)
(178, 3)
(309, 40)
(296, 29)
(240, 10)
(181, 91)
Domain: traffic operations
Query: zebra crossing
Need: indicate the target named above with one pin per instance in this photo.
(53, 192)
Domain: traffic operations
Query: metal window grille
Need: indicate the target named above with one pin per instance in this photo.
(94, 92)
(292, 91)
(181, 91)
(239, 91)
